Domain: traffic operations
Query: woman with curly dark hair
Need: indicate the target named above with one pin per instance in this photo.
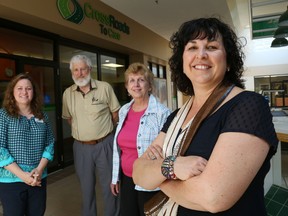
(26, 147)
(221, 122)
(200, 30)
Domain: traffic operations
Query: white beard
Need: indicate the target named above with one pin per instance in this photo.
(82, 81)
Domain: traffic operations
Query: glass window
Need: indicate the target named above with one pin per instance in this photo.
(17, 43)
(112, 71)
(154, 69)
(66, 53)
(158, 70)
(7, 71)
(274, 89)
(161, 90)
(44, 77)
(162, 72)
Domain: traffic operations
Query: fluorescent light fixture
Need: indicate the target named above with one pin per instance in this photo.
(112, 65)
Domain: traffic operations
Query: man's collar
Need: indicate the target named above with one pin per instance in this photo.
(93, 84)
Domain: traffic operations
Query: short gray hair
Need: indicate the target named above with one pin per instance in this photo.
(79, 58)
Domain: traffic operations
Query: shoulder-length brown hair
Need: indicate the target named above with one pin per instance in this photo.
(9, 102)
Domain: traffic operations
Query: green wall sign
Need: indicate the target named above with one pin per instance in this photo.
(108, 24)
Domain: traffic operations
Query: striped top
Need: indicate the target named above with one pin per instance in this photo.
(24, 141)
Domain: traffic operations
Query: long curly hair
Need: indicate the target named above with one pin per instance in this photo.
(9, 102)
(203, 28)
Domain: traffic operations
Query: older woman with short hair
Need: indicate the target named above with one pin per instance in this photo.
(140, 121)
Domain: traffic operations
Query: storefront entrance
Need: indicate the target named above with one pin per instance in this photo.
(46, 57)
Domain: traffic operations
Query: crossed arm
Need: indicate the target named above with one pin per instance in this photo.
(234, 162)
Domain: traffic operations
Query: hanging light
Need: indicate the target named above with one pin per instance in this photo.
(281, 32)
(279, 42)
(283, 20)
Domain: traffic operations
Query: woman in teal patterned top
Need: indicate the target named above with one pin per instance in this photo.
(26, 147)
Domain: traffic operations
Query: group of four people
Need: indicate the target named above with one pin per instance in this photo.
(210, 157)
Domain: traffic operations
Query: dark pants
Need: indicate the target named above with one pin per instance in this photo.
(87, 159)
(19, 199)
(131, 200)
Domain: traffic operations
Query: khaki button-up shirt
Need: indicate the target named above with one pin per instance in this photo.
(90, 114)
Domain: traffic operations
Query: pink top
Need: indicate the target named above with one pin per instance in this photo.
(127, 141)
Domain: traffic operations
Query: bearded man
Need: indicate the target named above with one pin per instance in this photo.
(91, 108)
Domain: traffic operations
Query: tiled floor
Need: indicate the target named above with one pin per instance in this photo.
(284, 158)
(64, 196)
(277, 201)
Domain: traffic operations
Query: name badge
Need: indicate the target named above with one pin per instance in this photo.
(39, 120)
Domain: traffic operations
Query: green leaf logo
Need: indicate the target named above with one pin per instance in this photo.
(75, 16)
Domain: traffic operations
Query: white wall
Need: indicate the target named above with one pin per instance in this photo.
(249, 83)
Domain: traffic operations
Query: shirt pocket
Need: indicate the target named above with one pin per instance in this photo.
(152, 127)
(98, 108)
